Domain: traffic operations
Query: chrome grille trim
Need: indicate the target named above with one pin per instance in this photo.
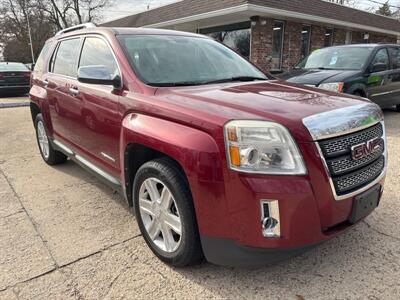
(343, 121)
(364, 188)
(341, 144)
(344, 164)
(354, 180)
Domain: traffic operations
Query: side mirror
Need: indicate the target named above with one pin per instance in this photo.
(98, 75)
(378, 67)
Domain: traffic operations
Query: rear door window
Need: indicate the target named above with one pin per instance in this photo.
(65, 61)
(40, 62)
(395, 57)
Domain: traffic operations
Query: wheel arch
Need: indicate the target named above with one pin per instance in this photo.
(35, 110)
(195, 152)
(358, 88)
(136, 155)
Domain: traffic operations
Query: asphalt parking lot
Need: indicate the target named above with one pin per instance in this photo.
(64, 235)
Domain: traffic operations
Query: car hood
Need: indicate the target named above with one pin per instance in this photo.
(316, 77)
(278, 101)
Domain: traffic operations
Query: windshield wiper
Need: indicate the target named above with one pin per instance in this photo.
(236, 78)
(191, 83)
(183, 83)
(323, 68)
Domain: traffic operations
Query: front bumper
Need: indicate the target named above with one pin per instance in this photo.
(226, 252)
(14, 88)
(230, 219)
(301, 226)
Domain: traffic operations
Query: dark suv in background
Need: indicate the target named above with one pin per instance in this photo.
(367, 70)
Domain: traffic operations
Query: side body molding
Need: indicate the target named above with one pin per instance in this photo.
(195, 151)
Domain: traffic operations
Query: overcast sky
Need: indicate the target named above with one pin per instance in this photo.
(122, 8)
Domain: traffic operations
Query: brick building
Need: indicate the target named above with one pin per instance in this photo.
(273, 34)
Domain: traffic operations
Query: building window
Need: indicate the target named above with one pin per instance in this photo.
(277, 45)
(305, 41)
(235, 36)
(366, 37)
(328, 37)
(349, 37)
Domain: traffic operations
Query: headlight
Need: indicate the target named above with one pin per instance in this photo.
(262, 147)
(332, 86)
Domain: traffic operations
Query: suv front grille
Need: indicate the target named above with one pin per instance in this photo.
(348, 174)
(342, 145)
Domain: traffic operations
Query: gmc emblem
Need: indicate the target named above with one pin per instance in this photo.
(361, 150)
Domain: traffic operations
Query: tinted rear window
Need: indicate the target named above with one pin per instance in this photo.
(13, 67)
(66, 59)
(42, 58)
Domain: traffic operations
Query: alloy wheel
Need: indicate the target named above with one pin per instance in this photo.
(160, 215)
(43, 140)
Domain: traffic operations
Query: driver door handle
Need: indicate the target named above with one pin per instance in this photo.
(74, 91)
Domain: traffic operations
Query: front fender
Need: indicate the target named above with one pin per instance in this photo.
(195, 151)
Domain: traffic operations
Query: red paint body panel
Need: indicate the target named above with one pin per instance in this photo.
(186, 123)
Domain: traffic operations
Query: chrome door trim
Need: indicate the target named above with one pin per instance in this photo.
(63, 147)
(105, 155)
(97, 170)
(386, 93)
(343, 121)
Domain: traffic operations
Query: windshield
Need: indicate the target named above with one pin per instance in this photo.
(13, 67)
(162, 60)
(337, 58)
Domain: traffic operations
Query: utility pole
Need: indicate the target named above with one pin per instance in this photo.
(29, 32)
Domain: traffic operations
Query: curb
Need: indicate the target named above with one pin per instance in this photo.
(14, 104)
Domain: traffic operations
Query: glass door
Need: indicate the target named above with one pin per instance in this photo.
(277, 45)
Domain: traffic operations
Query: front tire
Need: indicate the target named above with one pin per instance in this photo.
(398, 108)
(49, 155)
(165, 213)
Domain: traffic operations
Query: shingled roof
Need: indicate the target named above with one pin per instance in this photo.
(300, 8)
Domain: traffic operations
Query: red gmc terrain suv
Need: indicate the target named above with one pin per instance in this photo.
(218, 159)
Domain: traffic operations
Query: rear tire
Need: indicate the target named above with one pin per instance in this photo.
(398, 107)
(167, 223)
(49, 155)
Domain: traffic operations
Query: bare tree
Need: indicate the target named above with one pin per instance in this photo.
(14, 36)
(46, 17)
(65, 13)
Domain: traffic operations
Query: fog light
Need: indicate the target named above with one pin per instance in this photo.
(270, 219)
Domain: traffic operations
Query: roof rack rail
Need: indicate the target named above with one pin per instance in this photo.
(76, 27)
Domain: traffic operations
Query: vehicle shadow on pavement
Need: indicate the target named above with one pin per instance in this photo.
(355, 258)
(72, 169)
